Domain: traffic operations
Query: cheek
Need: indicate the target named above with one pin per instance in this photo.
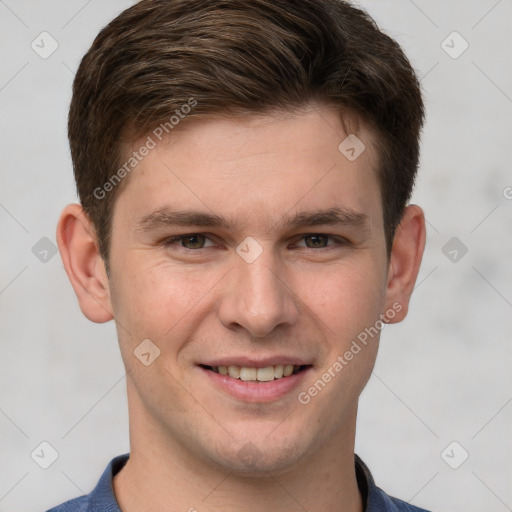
(347, 305)
(158, 300)
(346, 297)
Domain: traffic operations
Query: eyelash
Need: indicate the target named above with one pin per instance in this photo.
(340, 241)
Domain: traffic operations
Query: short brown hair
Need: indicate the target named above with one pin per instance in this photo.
(238, 57)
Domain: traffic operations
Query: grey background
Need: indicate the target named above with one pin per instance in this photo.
(443, 375)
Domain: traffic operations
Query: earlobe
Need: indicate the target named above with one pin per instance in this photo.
(405, 260)
(84, 266)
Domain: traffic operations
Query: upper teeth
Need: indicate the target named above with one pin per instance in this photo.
(257, 374)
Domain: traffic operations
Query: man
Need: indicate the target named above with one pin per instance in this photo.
(244, 168)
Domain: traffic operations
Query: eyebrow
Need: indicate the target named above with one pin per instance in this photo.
(167, 217)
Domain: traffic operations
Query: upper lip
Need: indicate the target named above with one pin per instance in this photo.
(252, 362)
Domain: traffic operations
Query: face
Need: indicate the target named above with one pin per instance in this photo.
(244, 250)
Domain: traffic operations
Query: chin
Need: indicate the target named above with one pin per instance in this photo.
(259, 466)
(256, 456)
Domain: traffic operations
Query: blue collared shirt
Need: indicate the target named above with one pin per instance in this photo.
(102, 497)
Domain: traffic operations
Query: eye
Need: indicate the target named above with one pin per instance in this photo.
(196, 241)
(191, 241)
(319, 240)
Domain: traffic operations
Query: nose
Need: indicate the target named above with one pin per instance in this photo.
(257, 297)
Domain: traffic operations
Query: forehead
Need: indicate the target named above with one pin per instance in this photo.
(258, 169)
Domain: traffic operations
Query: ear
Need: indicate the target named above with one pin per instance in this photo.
(76, 238)
(405, 260)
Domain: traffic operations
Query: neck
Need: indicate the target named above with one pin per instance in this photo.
(162, 475)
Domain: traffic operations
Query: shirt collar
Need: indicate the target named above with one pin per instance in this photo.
(103, 497)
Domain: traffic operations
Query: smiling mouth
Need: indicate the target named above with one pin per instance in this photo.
(252, 374)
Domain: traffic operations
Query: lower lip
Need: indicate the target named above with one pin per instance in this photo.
(252, 391)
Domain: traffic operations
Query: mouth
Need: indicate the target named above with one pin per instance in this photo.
(255, 374)
(263, 383)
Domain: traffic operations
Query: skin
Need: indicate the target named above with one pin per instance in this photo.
(196, 304)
